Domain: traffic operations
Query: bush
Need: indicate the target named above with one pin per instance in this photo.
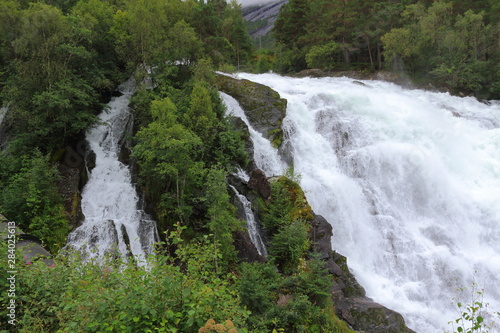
(173, 293)
(473, 315)
(31, 198)
(290, 245)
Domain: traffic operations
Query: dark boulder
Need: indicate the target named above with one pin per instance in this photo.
(247, 252)
(259, 183)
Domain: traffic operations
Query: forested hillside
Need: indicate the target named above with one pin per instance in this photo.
(449, 43)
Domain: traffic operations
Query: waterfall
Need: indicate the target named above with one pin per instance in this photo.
(252, 227)
(114, 225)
(3, 111)
(265, 155)
(410, 181)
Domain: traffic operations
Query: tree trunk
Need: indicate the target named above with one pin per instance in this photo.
(379, 56)
(369, 50)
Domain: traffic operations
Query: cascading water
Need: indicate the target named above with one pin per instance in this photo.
(3, 112)
(113, 223)
(265, 156)
(410, 181)
(252, 227)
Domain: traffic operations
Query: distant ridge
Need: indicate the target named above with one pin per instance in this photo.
(263, 16)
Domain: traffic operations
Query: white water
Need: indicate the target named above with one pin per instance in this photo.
(412, 191)
(253, 229)
(265, 156)
(3, 112)
(109, 200)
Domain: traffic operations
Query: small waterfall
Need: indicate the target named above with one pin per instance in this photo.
(252, 227)
(265, 155)
(3, 112)
(409, 179)
(114, 225)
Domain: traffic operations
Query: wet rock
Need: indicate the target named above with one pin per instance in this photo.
(359, 83)
(29, 246)
(259, 183)
(321, 234)
(264, 107)
(245, 248)
(69, 186)
(367, 316)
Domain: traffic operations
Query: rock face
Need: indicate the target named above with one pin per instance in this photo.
(348, 296)
(73, 177)
(265, 14)
(264, 107)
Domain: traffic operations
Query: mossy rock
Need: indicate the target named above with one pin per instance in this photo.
(263, 106)
(352, 286)
(301, 208)
(373, 317)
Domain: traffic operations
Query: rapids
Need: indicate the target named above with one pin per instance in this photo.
(410, 181)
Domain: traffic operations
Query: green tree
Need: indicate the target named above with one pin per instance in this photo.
(31, 198)
(183, 44)
(323, 56)
(200, 116)
(167, 152)
(222, 222)
(233, 29)
(290, 245)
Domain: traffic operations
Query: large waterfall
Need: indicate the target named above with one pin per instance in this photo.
(114, 225)
(410, 181)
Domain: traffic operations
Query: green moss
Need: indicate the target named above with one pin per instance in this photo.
(300, 207)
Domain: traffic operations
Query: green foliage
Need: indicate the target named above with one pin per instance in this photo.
(312, 281)
(454, 50)
(184, 44)
(323, 56)
(473, 315)
(167, 153)
(289, 246)
(177, 292)
(276, 212)
(222, 222)
(286, 204)
(451, 43)
(297, 303)
(31, 198)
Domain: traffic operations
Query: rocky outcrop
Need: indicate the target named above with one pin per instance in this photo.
(28, 245)
(73, 172)
(264, 107)
(258, 183)
(247, 252)
(349, 297)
